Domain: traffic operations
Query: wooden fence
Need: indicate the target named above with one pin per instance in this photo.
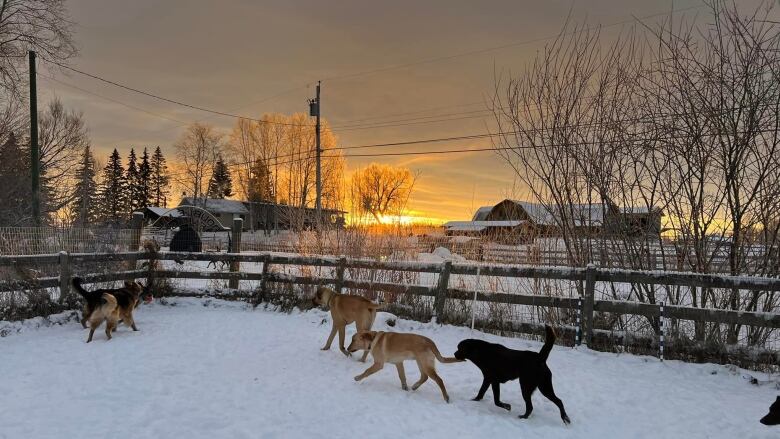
(440, 293)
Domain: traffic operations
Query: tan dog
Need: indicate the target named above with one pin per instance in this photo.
(394, 347)
(345, 309)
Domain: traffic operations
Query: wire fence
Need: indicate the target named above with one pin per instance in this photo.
(45, 240)
(357, 243)
(620, 307)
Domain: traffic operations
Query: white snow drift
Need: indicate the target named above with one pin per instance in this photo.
(212, 369)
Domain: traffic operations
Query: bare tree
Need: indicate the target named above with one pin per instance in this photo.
(684, 121)
(40, 25)
(198, 149)
(381, 190)
(565, 128)
(286, 144)
(63, 136)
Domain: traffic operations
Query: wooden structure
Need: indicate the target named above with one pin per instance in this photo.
(441, 293)
(514, 222)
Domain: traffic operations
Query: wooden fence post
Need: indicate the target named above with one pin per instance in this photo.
(136, 224)
(235, 247)
(587, 308)
(65, 273)
(151, 267)
(263, 280)
(441, 291)
(340, 274)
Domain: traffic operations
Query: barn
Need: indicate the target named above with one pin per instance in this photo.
(515, 221)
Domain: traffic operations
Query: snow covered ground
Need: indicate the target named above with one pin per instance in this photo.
(212, 369)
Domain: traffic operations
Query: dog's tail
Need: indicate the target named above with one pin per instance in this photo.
(88, 295)
(109, 300)
(439, 357)
(549, 341)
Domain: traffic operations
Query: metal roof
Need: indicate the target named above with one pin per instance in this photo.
(482, 213)
(478, 226)
(216, 205)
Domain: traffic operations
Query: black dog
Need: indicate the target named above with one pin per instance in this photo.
(500, 364)
(773, 417)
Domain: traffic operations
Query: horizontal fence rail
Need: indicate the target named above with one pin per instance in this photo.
(441, 292)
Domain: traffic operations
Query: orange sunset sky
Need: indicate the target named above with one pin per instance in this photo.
(252, 57)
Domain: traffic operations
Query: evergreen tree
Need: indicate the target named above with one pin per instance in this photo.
(221, 184)
(84, 208)
(260, 182)
(144, 181)
(133, 182)
(160, 180)
(15, 183)
(113, 191)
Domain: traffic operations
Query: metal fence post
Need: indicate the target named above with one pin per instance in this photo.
(578, 334)
(441, 291)
(474, 302)
(587, 309)
(340, 274)
(661, 331)
(235, 247)
(65, 273)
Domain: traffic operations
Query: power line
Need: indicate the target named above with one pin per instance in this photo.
(309, 156)
(481, 136)
(172, 101)
(425, 61)
(49, 78)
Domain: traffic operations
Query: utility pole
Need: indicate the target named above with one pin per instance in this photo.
(35, 162)
(315, 110)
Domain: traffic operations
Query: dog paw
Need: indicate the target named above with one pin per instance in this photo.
(566, 420)
(476, 398)
(507, 407)
(523, 416)
(406, 388)
(325, 348)
(357, 378)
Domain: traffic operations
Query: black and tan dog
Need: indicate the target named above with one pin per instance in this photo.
(773, 417)
(394, 347)
(344, 310)
(109, 304)
(500, 364)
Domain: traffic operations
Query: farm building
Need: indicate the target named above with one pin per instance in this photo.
(274, 216)
(256, 215)
(222, 209)
(514, 221)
